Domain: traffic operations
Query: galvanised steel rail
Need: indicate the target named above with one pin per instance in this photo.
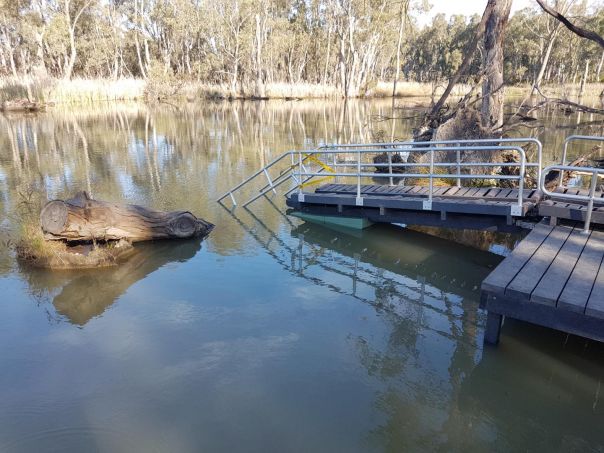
(572, 138)
(595, 174)
(483, 141)
(303, 175)
(429, 147)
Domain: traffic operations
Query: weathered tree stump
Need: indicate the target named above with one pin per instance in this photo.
(84, 219)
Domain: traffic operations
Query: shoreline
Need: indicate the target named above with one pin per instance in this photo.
(91, 91)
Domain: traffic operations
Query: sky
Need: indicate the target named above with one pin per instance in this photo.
(466, 7)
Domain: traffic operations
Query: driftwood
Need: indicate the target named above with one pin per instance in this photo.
(21, 105)
(553, 177)
(84, 219)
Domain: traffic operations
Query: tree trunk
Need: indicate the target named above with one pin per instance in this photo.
(259, 91)
(72, 55)
(492, 87)
(544, 62)
(599, 68)
(84, 219)
(401, 28)
(584, 79)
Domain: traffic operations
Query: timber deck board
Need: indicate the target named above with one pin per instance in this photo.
(551, 285)
(498, 280)
(462, 200)
(572, 211)
(530, 275)
(554, 278)
(579, 286)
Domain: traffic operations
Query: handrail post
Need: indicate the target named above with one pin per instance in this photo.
(359, 200)
(458, 155)
(300, 194)
(521, 182)
(539, 161)
(427, 205)
(590, 204)
(390, 167)
(516, 209)
(335, 165)
(564, 150)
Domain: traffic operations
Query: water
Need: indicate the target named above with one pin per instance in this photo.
(273, 334)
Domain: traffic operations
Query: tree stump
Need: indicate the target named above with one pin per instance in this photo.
(84, 219)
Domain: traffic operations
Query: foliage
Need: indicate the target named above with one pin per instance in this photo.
(245, 46)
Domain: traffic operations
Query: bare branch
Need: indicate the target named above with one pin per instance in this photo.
(582, 32)
(574, 105)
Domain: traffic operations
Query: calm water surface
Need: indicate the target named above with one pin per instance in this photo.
(273, 334)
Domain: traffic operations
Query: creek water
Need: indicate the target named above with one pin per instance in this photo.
(272, 334)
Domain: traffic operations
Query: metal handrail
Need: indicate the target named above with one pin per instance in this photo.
(428, 147)
(595, 174)
(389, 148)
(569, 139)
(519, 140)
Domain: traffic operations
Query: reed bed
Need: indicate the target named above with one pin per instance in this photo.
(90, 91)
(415, 89)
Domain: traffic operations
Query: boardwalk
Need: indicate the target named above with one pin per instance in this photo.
(554, 278)
(559, 206)
(451, 206)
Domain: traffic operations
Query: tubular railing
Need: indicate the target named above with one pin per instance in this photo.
(459, 143)
(299, 172)
(590, 197)
(430, 147)
(569, 139)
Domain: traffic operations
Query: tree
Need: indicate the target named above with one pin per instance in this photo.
(73, 10)
(492, 88)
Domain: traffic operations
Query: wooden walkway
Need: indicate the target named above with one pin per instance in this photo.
(554, 278)
(576, 210)
(452, 207)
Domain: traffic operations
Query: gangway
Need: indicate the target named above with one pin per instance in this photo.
(380, 191)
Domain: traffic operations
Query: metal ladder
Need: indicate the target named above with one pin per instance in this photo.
(282, 177)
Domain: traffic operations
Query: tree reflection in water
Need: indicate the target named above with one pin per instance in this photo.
(439, 389)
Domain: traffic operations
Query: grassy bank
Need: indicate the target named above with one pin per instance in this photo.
(88, 91)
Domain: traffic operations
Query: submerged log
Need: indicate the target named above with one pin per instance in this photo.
(84, 219)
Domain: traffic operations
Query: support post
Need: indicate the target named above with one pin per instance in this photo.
(590, 204)
(493, 328)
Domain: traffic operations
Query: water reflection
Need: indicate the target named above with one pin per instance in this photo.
(79, 296)
(391, 268)
(279, 335)
(541, 389)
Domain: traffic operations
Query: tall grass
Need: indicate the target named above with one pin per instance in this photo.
(416, 89)
(75, 91)
(89, 91)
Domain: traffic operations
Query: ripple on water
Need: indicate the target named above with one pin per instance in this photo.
(76, 438)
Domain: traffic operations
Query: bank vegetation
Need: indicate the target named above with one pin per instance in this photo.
(91, 50)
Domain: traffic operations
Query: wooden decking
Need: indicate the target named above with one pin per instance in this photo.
(452, 207)
(554, 278)
(575, 210)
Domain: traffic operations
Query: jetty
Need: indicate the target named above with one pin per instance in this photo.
(555, 275)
